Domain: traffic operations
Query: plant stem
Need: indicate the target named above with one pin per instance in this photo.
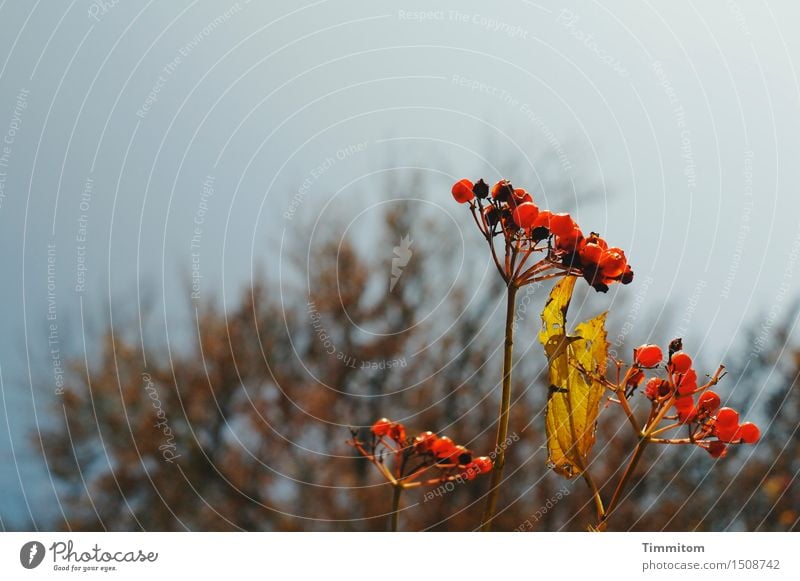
(598, 500)
(623, 481)
(505, 408)
(397, 490)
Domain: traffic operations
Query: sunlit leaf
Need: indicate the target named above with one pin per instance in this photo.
(574, 399)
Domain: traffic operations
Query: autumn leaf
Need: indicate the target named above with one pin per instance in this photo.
(574, 399)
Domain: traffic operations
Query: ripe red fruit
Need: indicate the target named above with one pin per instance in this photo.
(727, 417)
(381, 427)
(590, 253)
(648, 355)
(635, 378)
(594, 238)
(749, 433)
(462, 191)
(687, 415)
(483, 464)
(681, 362)
(709, 402)
(688, 382)
(612, 263)
(502, 191)
(397, 432)
(424, 441)
(562, 224)
(684, 403)
(653, 388)
(717, 449)
(443, 447)
(478, 466)
(726, 433)
(543, 219)
(570, 241)
(471, 471)
(525, 214)
(521, 196)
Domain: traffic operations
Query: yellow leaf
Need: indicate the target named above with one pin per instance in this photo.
(574, 399)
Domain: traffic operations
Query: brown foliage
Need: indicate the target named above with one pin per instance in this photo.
(256, 410)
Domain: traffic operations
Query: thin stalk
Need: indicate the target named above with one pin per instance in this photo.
(598, 500)
(397, 490)
(505, 408)
(660, 431)
(626, 476)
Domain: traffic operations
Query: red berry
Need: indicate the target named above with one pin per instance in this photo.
(462, 191)
(726, 433)
(749, 433)
(653, 388)
(562, 224)
(635, 378)
(398, 433)
(542, 220)
(424, 441)
(502, 191)
(471, 471)
(684, 403)
(594, 238)
(590, 253)
(687, 415)
(717, 449)
(648, 355)
(613, 263)
(478, 466)
(688, 382)
(727, 417)
(521, 196)
(570, 241)
(525, 214)
(443, 447)
(681, 362)
(381, 427)
(483, 464)
(709, 402)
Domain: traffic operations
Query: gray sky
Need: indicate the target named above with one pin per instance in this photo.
(124, 126)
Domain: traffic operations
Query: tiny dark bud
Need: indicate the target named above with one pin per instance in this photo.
(674, 346)
(572, 260)
(480, 189)
(540, 233)
(627, 277)
(592, 274)
(491, 215)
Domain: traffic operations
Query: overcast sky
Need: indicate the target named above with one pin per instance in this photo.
(142, 143)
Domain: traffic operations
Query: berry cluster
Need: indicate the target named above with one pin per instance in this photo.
(512, 212)
(426, 459)
(679, 397)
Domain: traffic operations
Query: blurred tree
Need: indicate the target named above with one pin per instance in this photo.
(246, 428)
